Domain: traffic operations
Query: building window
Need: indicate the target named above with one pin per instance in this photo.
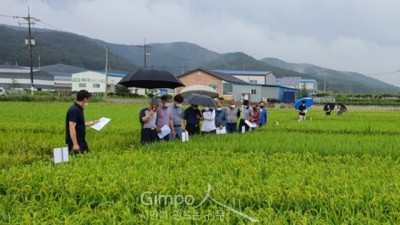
(82, 85)
(253, 81)
(96, 85)
(253, 91)
(227, 89)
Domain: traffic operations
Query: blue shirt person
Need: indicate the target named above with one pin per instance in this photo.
(263, 114)
(220, 116)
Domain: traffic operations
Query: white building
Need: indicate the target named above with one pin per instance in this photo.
(94, 82)
(251, 77)
(310, 85)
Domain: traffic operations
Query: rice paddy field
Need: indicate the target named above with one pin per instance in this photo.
(326, 170)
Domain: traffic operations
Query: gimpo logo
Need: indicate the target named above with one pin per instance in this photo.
(152, 198)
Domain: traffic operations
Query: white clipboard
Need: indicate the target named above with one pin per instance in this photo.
(101, 124)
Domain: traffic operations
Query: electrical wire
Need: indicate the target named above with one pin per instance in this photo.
(384, 73)
(7, 16)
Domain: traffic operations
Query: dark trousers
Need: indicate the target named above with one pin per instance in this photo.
(148, 135)
(231, 127)
(193, 129)
(166, 138)
(242, 123)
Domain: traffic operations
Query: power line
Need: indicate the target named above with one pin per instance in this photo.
(49, 25)
(385, 73)
(35, 22)
(6, 16)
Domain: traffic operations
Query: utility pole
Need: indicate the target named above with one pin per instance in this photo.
(324, 81)
(146, 52)
(30, 42)
(106, 72)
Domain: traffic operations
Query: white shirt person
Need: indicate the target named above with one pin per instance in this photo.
(208, 120)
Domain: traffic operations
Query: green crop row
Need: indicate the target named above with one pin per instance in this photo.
(326, 170)
(273, 187)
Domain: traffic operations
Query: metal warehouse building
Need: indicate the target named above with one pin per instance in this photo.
(18, 78)
(62, 76)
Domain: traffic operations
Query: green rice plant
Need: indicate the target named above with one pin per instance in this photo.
(328, 170)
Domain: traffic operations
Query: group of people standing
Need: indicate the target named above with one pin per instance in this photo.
(161, 115)
(164, 121)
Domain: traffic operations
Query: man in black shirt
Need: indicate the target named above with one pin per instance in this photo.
(191, 118)
(75, 125)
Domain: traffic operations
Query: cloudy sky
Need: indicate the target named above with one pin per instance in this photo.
(351, 35)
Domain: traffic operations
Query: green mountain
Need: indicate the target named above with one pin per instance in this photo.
(56, 47)
(336, 81)
(179, 57)
(241, 61)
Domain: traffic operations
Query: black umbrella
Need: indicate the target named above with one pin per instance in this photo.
(151, 78)
(202, 100)
(329, 106)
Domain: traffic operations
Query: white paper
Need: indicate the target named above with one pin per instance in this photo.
(251, 125)
(61, 155)
(165, 130)
(101, 124)
(185, 136)
(220, 131)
